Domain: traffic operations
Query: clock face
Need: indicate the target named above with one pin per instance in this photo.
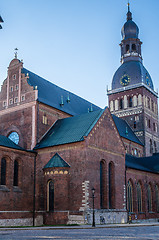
(124, 80)
(14, 137)
(148, 82)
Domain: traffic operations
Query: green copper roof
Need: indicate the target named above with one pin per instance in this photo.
(6, 142)
(125, 130)
(57, 97)
(56, 161)
(148, 164)
(69, 130)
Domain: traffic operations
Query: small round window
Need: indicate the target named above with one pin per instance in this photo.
(14, 137)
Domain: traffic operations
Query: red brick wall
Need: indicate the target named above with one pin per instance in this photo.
(144, 178)
(51, 114)
(19, 121)
(17, 198)
(103, 143)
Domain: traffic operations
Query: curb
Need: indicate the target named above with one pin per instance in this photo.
(78, 227)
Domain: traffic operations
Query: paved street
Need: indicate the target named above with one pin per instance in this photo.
(116, 233)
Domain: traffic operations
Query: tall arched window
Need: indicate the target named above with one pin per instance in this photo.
(152, 104)
(111, 106)
(133, 47)
(139, 197)
(102, 184)
(50, 196)
(151, 147)
(125, 101)
(148, 102)
(121, 103)
(157, 198)
(111, 186)
(130, 101)
(139, 100)
(116, 104)
(16, 172)
(149, 123)
(135, 101)
(3, 171)
(149, 198)
(130, 196)
(127, 48)
(134, 124)
(155, 147)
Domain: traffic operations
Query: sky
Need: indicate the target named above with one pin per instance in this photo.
(75, 43)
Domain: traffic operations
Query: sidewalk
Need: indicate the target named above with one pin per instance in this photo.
(80, 226)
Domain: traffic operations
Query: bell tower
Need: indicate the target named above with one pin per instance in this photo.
(132, 96)
(130, 44)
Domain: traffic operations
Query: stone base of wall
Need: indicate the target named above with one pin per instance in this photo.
(16, 222)
(39, 220)
(9, 219)
(106, 216)
(75, 219)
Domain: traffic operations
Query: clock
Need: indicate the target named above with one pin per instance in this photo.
(124, 80)
(14, 137)
(148, 82)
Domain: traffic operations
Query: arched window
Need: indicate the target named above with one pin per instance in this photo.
(116, 104)
(151, 147)
(135, 101)
(130, 196)
(127, 48)
(125, 101)
(148, 102)
(149, 123)
(135, 152)
(102, 184)
(111, 186)
(146, 121)
(16, 171)
(157, 198)
(111, 106)
(139, 197)
(130, 101)
(134, 124)
(133, 47)
(149, 198)
(121, 103)
(155, 147)
(152, 104)
(3, 171)
(139, 100)
(50, 196)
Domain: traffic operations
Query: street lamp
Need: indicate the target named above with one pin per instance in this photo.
(93, 222)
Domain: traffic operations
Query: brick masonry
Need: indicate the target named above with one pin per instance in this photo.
(72, 186)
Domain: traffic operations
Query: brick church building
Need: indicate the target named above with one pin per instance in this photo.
(55, 147)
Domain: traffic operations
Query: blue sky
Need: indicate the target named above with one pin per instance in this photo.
(75, 43)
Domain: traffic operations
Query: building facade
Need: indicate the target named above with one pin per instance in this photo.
(55, 147)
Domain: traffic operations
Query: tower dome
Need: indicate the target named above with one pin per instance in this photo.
(131, 73)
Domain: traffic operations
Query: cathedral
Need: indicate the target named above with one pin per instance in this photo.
(60, 153)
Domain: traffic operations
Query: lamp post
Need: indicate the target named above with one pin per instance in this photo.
(93, 222)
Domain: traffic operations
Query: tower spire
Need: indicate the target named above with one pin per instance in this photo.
(129, 14)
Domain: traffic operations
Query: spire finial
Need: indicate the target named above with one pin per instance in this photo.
(128, 6)
(129, 14)
(16, 52)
